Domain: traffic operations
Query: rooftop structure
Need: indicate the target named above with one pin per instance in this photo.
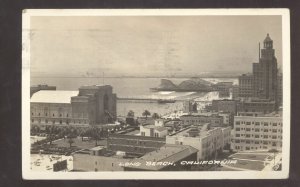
(53, 96)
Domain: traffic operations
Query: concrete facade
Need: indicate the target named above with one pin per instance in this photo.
(257, 133)
(206, 141)
(90, 105)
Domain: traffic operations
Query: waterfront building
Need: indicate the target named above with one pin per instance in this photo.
(166, 158)
(262, 132)
(263, 82)
(153, 131)
(208, 141)
(265, 72)
(246, 85)
(235, 91)
(256, 105)
(225, 105)
(198, 119)
(134, 145)
(189, 106)
(91, 105)
(36, 88)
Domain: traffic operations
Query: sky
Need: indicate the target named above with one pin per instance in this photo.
(149, 45)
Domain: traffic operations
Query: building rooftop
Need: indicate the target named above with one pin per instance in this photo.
(155, 127)
(53, 96)
(167, 153)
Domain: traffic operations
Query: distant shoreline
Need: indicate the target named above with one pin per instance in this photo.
(162, 77)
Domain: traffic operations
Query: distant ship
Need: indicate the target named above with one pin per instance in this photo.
(166, 101)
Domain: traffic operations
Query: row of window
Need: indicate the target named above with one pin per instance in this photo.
(258, 130)
(249, 148)
(257, 136)
(46, 114)
(60, 121)
(257, 123)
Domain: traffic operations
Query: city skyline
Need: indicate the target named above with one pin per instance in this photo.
(153, 45)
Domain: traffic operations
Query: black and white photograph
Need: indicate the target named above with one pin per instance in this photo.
(156, 94)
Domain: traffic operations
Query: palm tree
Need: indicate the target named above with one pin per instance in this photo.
(130, 114)
(155, 116)
(70, 140)
(146, 113)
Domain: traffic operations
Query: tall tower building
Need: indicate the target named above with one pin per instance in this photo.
(265, 72)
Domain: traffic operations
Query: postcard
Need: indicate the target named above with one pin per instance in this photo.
(155, 94)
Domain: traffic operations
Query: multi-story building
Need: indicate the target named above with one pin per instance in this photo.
(235, 91)
(208, 141)
(246, 85)
(265, 72)
(196, 119)
(279, 90)
(257, 133)
(263, 83)
(224, 106)
(256, 105)
(134, 145)
(90, 105)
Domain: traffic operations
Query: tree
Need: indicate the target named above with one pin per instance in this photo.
(130, 114)
(70, 140)
(155, 116)
(146, 113)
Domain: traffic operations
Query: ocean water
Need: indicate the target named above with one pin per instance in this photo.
(135, 88)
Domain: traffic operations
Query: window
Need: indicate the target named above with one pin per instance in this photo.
(274, 124)
(60, 122)
(247, 141)
(247, 135)
(265, 136)
(46, 114)
(266, 130)
(274, 137)
(237, 135)
(143, 133)
(32, 113)
(238, 122)
(60, 115)
(266, 124)
(39, 114)
(256, 142)
(257, 123)
(46, 121)
(32, 120)
(256, 130)
(248, 129)
(256, 136)
(52, 114)
(237, 129)
(248, 123)
(274, 130)
(237, 141)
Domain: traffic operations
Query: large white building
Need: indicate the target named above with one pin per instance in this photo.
(205, 139)
(257, 132)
